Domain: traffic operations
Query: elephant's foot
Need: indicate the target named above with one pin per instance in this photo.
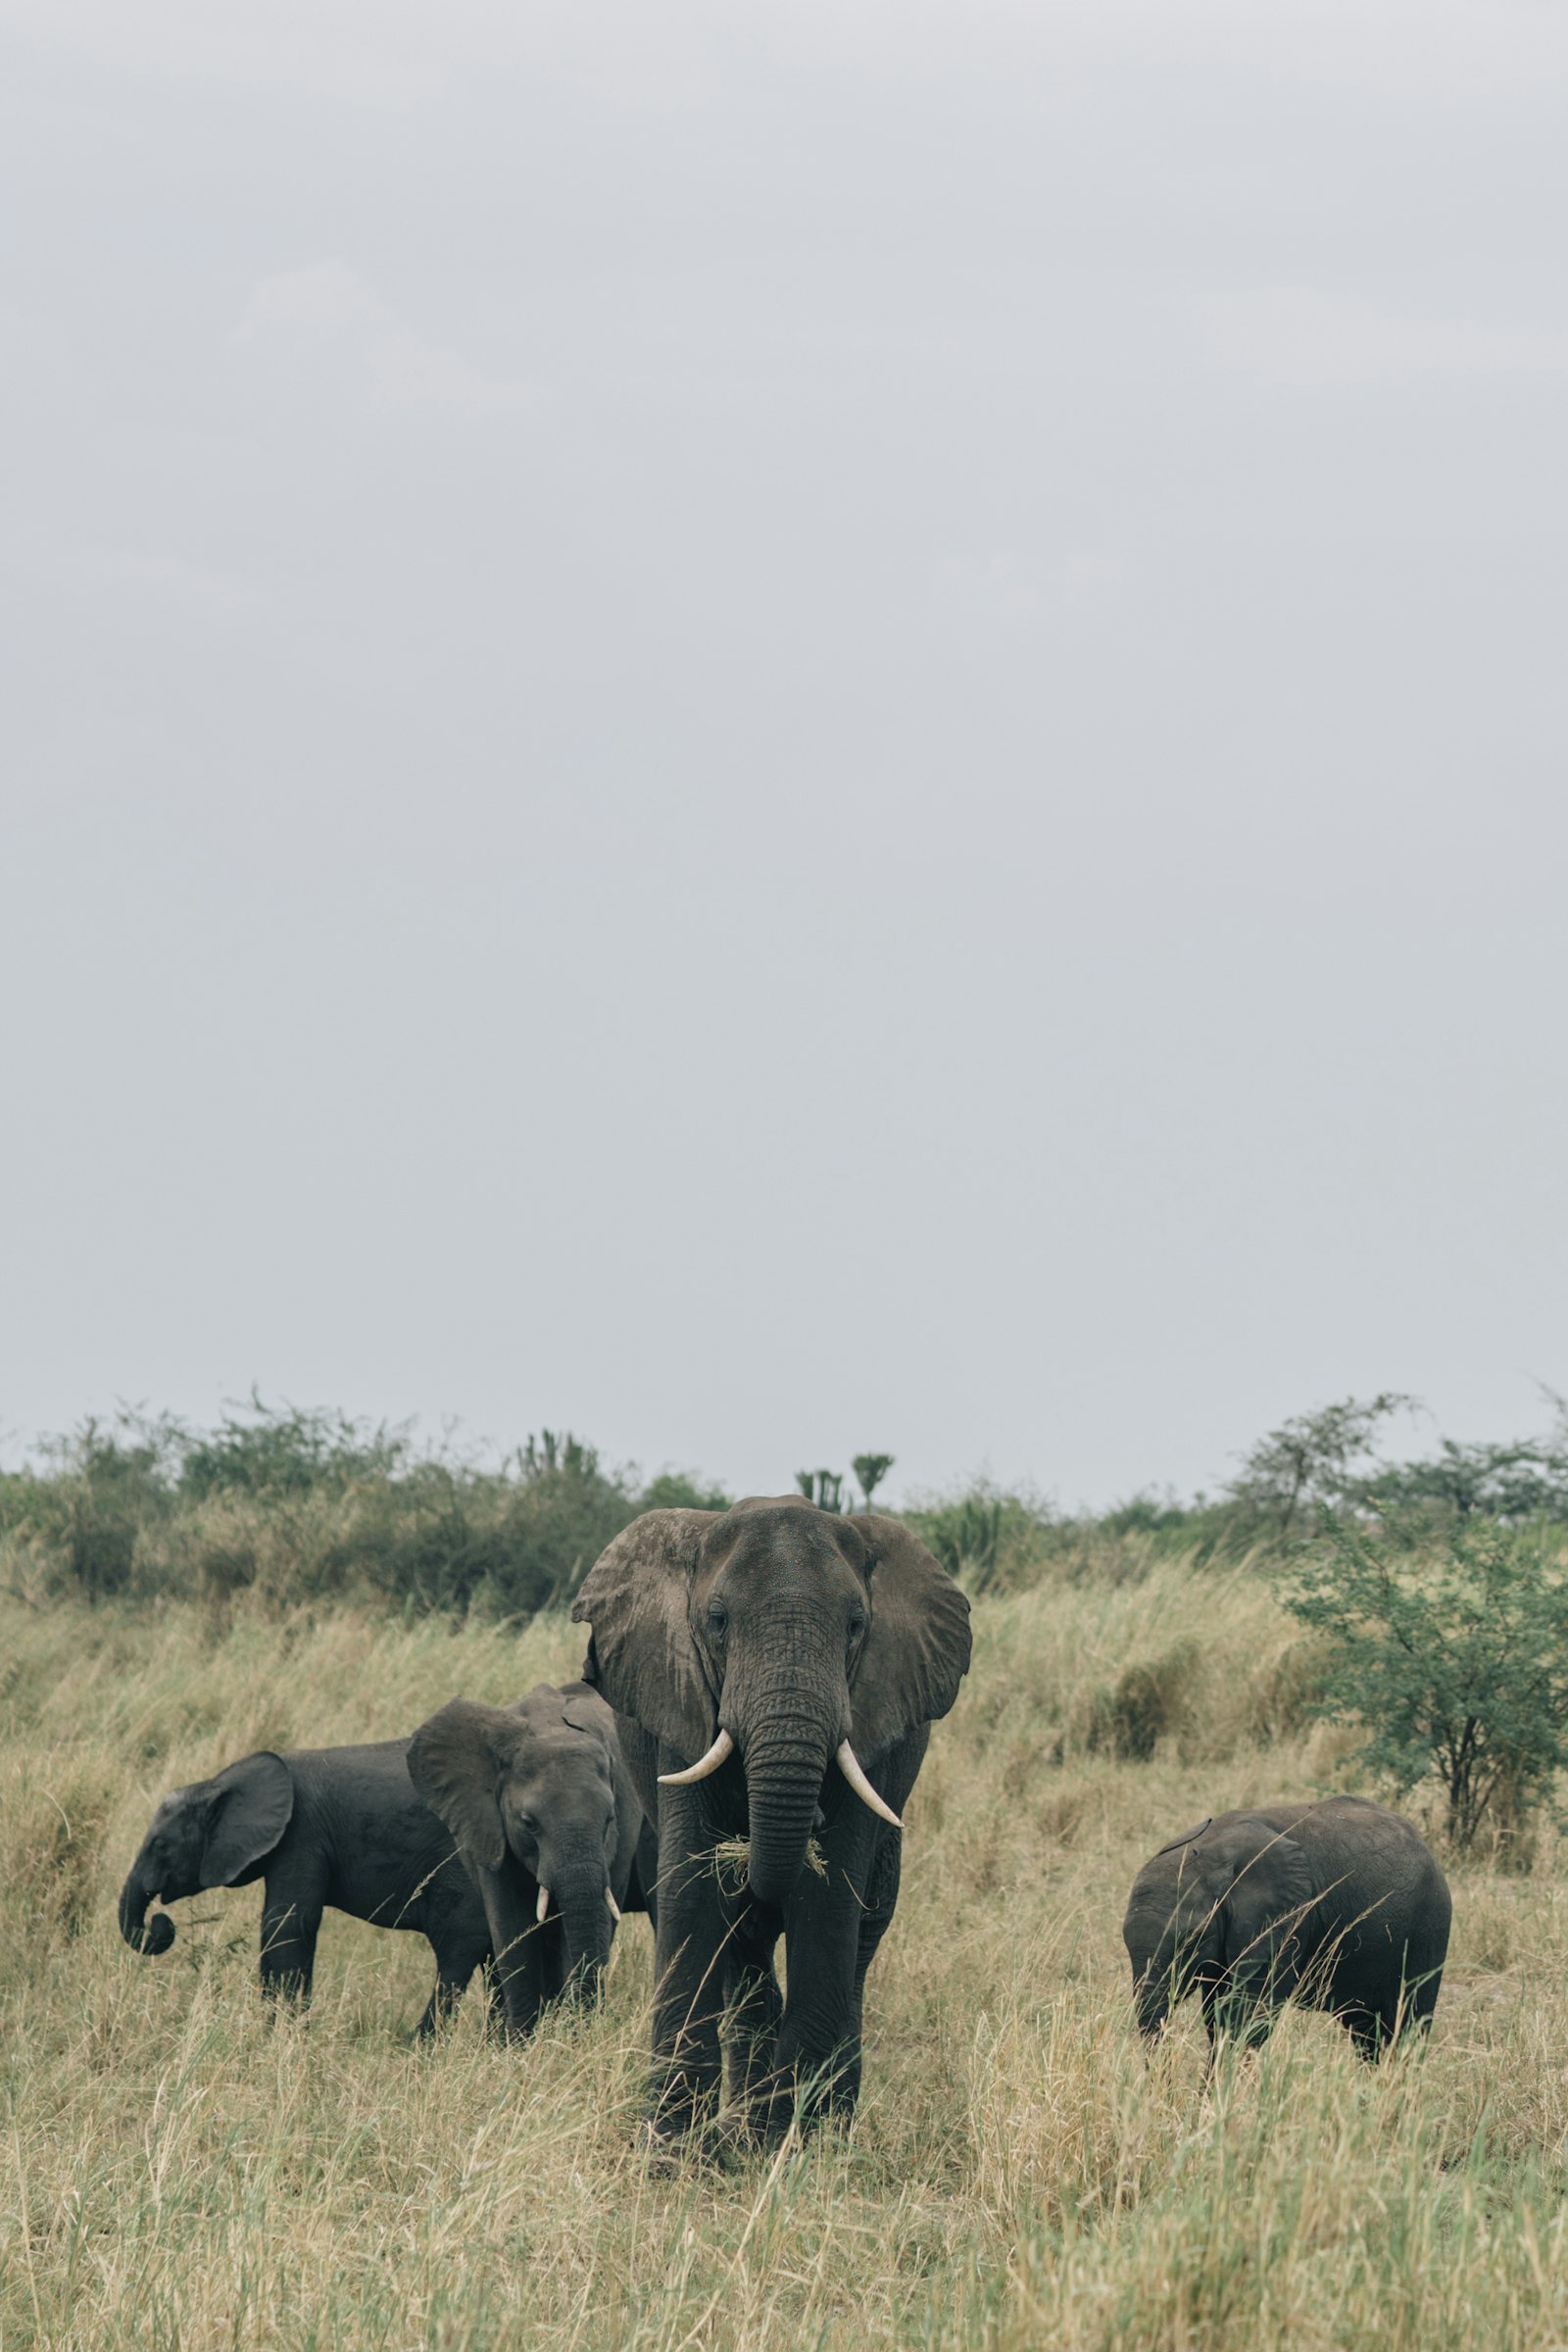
(731, 2141)
(804, 2095)
(664, 2153)
(679, 2112)
(668, 2155)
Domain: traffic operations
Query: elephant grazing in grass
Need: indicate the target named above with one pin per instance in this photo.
(545, 1815)
(1339, 1906)
(339, 1828)
(775, 1670)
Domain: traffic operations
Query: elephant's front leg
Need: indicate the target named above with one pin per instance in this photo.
(882, 1895)
(291, 1915)
(689, 1971)
(510, 1901)
(755, 2005)
(818, 2067)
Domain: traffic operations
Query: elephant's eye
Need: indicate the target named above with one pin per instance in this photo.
(718, 1620)
(857, 1626)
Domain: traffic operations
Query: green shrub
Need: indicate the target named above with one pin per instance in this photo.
(288, 1450)
(1306, 1464)
(89, 1512)
(994, 1540)
(965, 1535)
(1516, 1481)
(297, 1504)
(1451, 1658)
(679, 1491)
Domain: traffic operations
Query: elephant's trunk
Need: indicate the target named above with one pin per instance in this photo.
(577, 1892)
(1171, 1946)
(787, 1759)
(141, 1933)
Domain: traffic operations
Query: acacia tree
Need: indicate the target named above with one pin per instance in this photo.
(1452, 1657)
(1309, 1460)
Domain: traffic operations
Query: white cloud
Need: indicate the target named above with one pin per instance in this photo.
(1297, 335)
(324, 316)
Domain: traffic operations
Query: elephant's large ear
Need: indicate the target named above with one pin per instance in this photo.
(1186, 1838)
(1271, 1890)
(252, 1802)
(641, 1656)
(917, 1651)
(455, 1761)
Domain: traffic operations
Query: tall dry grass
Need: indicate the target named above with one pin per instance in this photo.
(177, 2169)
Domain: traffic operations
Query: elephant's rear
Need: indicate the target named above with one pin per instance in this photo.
(1427, 1943)
(1401, 1907)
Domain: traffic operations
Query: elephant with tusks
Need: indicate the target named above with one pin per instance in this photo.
(546, 1818)
(775, 1670)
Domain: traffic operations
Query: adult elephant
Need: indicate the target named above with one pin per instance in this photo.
(337, 1828)
(775, 1670)
(545, 1815)
(1339, 1906)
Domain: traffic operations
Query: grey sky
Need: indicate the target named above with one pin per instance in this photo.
(780, 729)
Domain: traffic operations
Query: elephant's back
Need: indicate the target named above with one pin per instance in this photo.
(394, 1860)
(1387, 1885)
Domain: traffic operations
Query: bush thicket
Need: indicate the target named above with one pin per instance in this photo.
(1451, 1659)
(292, 1503)
(298, 1505)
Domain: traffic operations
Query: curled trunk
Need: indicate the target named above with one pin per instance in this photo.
(153, 1936)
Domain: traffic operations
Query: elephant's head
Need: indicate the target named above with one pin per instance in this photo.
(537, 1790)
(783, 1634)
(214, 1834)
(1222, 1903)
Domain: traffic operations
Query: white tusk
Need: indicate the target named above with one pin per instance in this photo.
(848, 1763)
(543, 1905)
(613, 1907)
(722, 1746)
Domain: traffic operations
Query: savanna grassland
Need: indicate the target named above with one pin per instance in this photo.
(178, 2170)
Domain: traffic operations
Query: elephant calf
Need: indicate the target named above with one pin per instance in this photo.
(546, 1820)
(339, 1826)
(1337, 1905)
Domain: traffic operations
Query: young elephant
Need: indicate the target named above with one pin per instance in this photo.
(337, 1826)
(1337, 1905)
(546, 1820)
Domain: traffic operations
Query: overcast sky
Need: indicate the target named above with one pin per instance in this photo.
(789, 728)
